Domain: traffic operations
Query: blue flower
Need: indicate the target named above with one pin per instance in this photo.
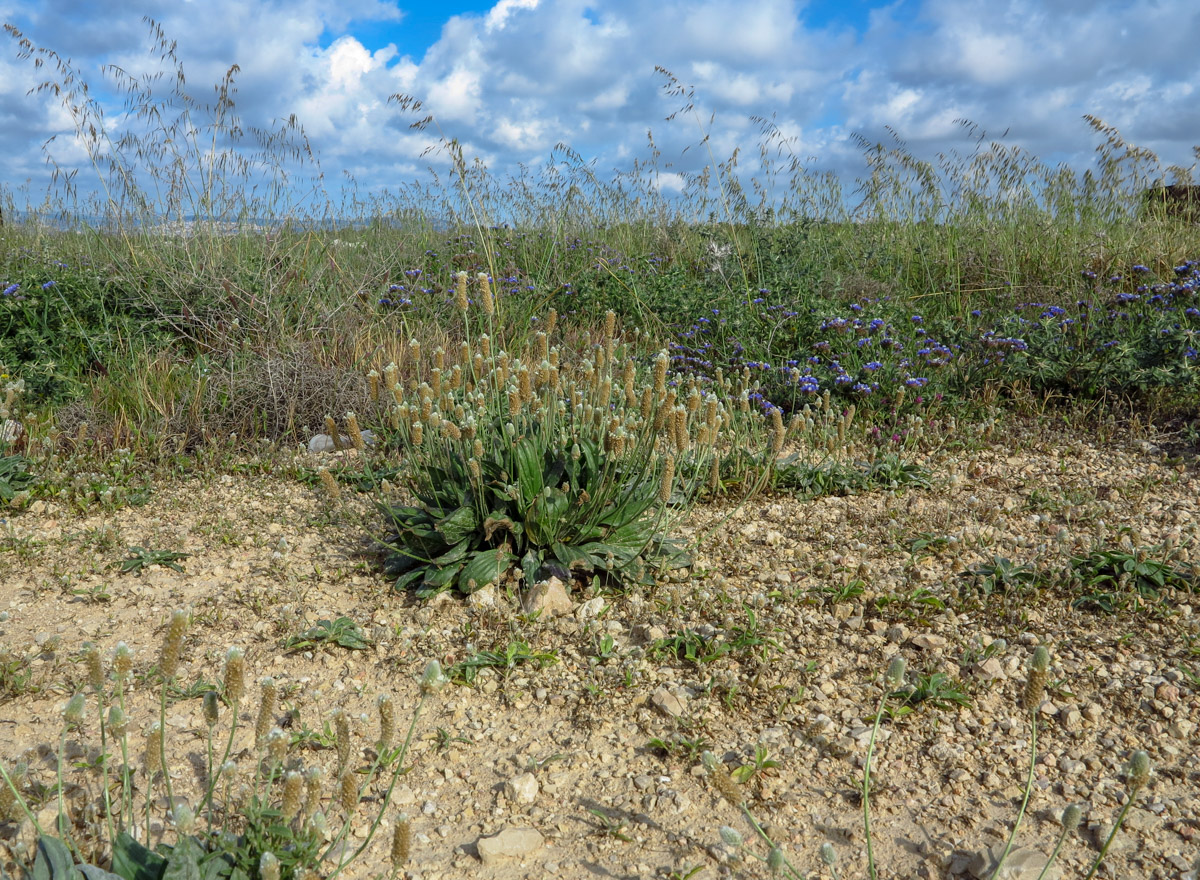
(872, 366)
(916, 381)
(49, 284)
(917, 319)
(11, 289)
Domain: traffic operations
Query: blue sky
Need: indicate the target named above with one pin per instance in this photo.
(511, 79)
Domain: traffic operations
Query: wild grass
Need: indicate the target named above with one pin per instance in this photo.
(520, 342)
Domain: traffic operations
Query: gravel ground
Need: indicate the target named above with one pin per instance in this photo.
(794, 609)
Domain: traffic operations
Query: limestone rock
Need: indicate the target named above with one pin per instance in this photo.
(511, 843)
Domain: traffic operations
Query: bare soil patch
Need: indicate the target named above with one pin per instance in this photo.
(269, 557)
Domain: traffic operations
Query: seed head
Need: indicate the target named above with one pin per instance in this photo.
(1071, 817)
(401, 842)
(460, 291)
(667, 478)
(775, 860)
(1139, 771)
(485, 294)
(122, 661)
(118, 722)
(828, 854)
(293, 784)
(341, 726)
(211, 708)
(348, 792)
(73, 711)
(154, 744)
(266, 710)
(721, 779)
(235, 675)
(355, 433)
(387, 721)
(731, 837)
(277, 744)
(433, 679)
(330, 484)
(95, 669)
(312, 790)
(172, 646)
(895, 672)
(268, 866)
(184, 817)
(332, 431)
(1035, 683)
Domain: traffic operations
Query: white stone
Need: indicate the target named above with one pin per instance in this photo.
(522, 789)
(547, 599)
(667, 703)
(590, 609)
(511, 843)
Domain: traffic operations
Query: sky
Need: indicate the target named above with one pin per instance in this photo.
(511, 80)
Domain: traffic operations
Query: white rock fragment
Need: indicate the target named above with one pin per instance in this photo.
(511, 843)
(547, 599)
(522, 789)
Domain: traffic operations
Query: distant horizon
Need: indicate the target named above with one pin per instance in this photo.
(511, 81)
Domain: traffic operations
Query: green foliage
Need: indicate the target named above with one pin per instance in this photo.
(512, 655)
(15, 475)
(140, 559)
(680, 746)
(342, 632)
(1001, 575)
(762, 764)
(937, 689)
(687, 645)
(1119, 579)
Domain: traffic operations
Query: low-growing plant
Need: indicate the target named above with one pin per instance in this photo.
(343, 632)
(265, 820)
(516, 653)
(687, 645)
(1117, 579)
(140, 559)
(937, 689)
(1001, 575)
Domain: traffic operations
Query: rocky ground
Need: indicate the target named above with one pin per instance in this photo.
(545, 766)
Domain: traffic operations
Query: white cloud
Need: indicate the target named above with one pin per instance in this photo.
(512, 82)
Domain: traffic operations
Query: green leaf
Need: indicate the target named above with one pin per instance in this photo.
(134, 862)
(530, 479)
(184, 861)
(91, 872)
(441, 577)
(409, 578)
(457, 553)
(485, 567)
(459, 524)
(572, 557)
(54, 860)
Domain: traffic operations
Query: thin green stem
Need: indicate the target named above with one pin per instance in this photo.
(1028, 790)
(1112, 836)
(866, 786)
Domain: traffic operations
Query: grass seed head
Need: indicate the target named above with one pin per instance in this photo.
(172, 646)
(387, 716)
(1139, 771)
(118, 721)
(293, 785)
(312, 790)
(266, 710)
(210, 707)
(122, 661)
(895, 672)
(154, 745)
(460, 291)
(1071, 817)
(401, 842)
(486, 302)
(235, 675)
(341, 726)
(1035, 683)
(348, 792)
(268, 866)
